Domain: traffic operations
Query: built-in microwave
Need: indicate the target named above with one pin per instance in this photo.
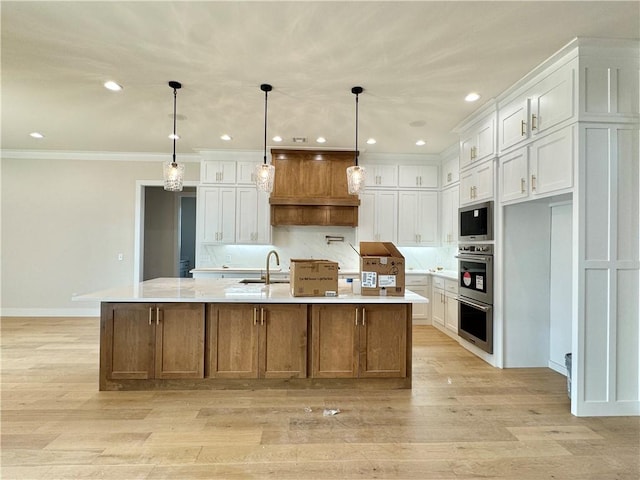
(476, 222)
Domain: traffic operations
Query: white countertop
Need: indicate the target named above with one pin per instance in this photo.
(452, 274)
(229, 291)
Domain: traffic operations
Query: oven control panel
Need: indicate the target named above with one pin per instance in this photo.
(483, 249)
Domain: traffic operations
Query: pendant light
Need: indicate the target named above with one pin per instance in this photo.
(356, 173)
(173, 173)
(265, 173)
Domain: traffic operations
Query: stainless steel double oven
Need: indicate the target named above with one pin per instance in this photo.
(475, 294)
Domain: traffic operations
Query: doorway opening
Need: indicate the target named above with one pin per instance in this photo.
(165, 231)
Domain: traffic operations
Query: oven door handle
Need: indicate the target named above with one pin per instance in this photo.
(477, 258)
(479, 306)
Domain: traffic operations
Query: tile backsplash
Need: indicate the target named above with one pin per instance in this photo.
(311, 242)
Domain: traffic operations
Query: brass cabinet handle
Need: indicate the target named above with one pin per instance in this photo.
(150, 315)
(255, 315)
(522, 184)
(356, 316)
(534, 125)
(523, 128)
(533, 183)
(157, 315)
(261, 316)
(364, 316)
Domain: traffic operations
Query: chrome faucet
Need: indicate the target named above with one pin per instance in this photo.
(267, 277)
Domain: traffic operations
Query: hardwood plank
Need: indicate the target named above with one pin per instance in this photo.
(462, 419)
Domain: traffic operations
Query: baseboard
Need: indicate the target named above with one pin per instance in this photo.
(50, 312)
(561, 369)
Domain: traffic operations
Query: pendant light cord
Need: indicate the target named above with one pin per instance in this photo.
(357, 129)
(175, 96)
(266, 93)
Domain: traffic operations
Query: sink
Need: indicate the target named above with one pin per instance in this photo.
(262, 280)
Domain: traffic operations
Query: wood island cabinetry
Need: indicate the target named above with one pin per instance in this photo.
(356, 341)
(143, 341)
(256, 341)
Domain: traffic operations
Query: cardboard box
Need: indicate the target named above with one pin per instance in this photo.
(381, 269)
(313, 278)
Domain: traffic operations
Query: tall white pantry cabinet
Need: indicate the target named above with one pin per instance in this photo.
(570, 129)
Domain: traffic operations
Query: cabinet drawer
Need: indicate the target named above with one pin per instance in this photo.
(417, 280)
(451, 286)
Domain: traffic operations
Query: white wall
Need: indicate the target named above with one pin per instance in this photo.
(64, 222)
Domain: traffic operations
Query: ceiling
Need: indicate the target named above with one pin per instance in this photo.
(416, 61)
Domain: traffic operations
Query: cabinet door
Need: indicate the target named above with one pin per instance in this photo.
(467, 150)
(422, 176)
(245, 172)
(552, 160)
(408, 217)
(449, 215)
(378, 216)
(513, 122)
(484, 184)
(486, 141)
(467, 186)
(428, 218)
(437, 306)
(383, 341)
(450, 171)
(232, 341)
(553, 100)
(179, 349)
(514, 172)
(451, 313)
(382, 175)
(216, 214)
(252, 216)
(213, 171)
(334, 352)
(127, 341)
(283, 341)
(420, 311)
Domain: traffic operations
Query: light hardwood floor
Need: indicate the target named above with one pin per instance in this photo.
(461, 420)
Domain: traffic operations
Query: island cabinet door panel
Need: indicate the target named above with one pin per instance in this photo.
(179, 340)
(334, 334)
(383, 341)
(283, 341)
(127, 345)
(232, 341)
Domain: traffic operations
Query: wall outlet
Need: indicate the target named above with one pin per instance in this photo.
(227, 259)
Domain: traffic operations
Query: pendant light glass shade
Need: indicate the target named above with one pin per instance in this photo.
(173, 173)
(265, 173)
(355, 173)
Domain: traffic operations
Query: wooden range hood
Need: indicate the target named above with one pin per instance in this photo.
(310, 188)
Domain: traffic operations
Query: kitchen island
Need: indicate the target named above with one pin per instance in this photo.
(185, 333)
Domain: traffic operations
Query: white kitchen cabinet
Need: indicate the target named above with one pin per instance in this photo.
(245, 172)
(421, 176)
(449, 215)
(420, 284)
(252, 216)
(477, 183)
(216, 208)
(378, 216)
(380, 175)
(479, 142)
(450, 170)
(543, 105)
(542, 168)
(216, 171)
(444, 306)
(417, 218)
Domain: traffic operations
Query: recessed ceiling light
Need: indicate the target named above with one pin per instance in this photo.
(321, 139)
(472, 97)
(172, 136)
(371, 141)
(420, 143)
(277, 138)
(225, 137)
(113, 86)
(36, 135)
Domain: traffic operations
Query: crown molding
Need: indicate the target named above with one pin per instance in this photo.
(95, 156)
